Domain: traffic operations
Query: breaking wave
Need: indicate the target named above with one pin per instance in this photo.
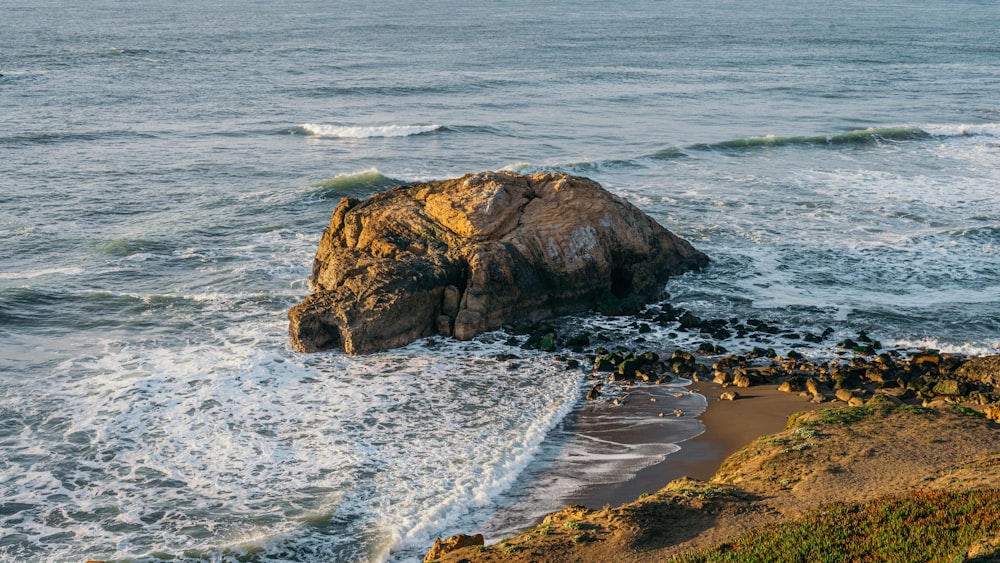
(364, 131)
(358, 184)
(858, 137)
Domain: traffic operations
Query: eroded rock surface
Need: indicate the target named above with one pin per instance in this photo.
(463, 256)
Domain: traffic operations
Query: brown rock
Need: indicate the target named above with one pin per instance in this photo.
(443, 547)
(729, 396)
(950, 387)
(992, 412)
(444, 325)
(721, 377)
(844, 395)
(484, 249)
(790, 385)
(812, 386)
(886, 399)
(985, 369)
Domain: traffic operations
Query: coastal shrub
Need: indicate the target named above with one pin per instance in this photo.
(573, 525)
(851, 415)
(705, 491)
(805, 433)
(922, 526)
(969, 411)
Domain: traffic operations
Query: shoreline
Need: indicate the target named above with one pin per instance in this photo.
(728, 427)
(715, 487)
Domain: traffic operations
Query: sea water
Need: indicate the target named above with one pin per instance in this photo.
(166, 169)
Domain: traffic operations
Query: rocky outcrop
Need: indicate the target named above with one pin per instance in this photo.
(454, 543)
(463, 256)
(985, 369)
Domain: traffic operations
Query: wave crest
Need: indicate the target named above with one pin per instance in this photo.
(365, 132)
(872, 135)
(964, 130)
(857, 137)
(360, 184)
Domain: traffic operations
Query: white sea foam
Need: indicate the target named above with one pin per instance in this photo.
(31, 274)
(932, 343)
(22, 72)
(225, 436)
(366, 131)
(964, 130)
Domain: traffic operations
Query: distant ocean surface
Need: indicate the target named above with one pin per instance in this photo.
(167, 168)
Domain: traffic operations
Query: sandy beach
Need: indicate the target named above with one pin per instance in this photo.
(728, 426)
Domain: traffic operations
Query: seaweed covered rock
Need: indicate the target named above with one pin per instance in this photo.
(463, 256)
(985, 369)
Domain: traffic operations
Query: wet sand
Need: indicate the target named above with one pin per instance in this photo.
(729, 425)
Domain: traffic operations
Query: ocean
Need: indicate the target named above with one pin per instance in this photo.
(167, 168)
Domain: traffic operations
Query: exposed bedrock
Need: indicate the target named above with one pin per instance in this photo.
(463, 256)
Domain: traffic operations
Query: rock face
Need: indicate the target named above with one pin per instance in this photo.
(463, 256)
(454, 543)
(985, 369)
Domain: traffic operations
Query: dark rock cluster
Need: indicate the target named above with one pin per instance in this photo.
(861, 371)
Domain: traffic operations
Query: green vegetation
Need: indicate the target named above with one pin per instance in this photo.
(918, 527)
(704, 491)
(850, 415)
(573, 525)
(543, 529)
(969, 411)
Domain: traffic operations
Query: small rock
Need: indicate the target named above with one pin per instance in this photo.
(741, 380)
(547, 343)
(992, 412)
(444, 325)
(844, 395)
(443, 547)
(721, 377)
(883, 399)
(729, 396)
(789, 386)
(604, 363)
(594, 392)
(812, 386)
(689, 321)
(950, 388)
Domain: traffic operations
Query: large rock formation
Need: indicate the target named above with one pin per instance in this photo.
(460, 257)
